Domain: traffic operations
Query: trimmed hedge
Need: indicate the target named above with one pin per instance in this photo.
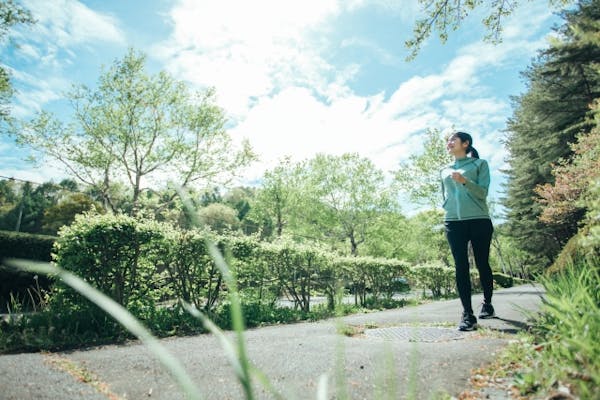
(19, 285)
(139, 262)
(435, 277)
(26, 245)
(144, 261)
(148, 267)
(503, 280)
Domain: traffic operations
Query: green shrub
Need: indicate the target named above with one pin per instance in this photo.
(50, 330)
(115, 254)
(24, 287)
(170, 321)
(26, 245)
(256, 281)
(385, 303)
(191, 272)
(295, 269)
(435, 277)
(382, 278)
(503, 280)
(475, 281)
(256, 314)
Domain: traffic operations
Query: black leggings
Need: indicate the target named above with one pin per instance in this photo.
(479, 233)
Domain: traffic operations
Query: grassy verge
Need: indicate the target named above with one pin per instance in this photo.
(559, 357)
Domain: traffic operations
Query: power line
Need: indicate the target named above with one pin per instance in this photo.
(10, 178)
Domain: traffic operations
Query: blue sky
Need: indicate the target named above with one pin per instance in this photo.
(295, 78)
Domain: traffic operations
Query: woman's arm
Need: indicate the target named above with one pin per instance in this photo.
(480, 188)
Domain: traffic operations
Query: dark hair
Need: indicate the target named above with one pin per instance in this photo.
(465, 137)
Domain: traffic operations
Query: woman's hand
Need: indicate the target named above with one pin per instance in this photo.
(457, 176)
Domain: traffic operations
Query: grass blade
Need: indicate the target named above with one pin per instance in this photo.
(231, 353)
(242, 364)
(322, 388)
(237, 318)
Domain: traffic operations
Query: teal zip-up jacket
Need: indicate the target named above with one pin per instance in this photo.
(468, 201)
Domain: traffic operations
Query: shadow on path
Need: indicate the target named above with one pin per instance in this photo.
(520, 293)
(515, 326)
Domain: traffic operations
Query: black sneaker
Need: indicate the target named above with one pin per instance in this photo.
(468, 322)
(487, 311)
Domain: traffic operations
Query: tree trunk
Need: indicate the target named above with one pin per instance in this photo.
(503, 262)
(136, 195)
(279, 222)
(108, 204)
(353, 244)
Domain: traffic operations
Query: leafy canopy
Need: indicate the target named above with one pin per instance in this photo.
(139, 130)
(445, 16)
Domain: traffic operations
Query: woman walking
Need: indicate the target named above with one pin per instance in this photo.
(465, 186)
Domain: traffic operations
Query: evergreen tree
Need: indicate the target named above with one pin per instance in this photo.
(562, 84)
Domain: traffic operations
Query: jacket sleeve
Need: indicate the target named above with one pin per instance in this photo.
(442, 187)
(479, 188)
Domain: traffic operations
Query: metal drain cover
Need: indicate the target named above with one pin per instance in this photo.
(416, 333)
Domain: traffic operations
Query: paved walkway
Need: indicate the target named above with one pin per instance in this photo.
(294, 357)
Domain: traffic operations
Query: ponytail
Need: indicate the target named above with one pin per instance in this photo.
(465, 137)
(474, 153)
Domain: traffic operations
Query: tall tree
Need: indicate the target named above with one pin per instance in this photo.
(574, 194)
(419, 177)
(279, 195)
(219, 217)
(562, 84)
(8, 195)
(344, 196)
(141, 130)
(27, 213)
(387, 237)
(65, 210)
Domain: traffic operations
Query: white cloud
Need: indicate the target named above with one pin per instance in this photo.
(253, 49)
(69, 22)
(481, 112)
(382, 55)
(27, 50)
(271, 75)
(41, 174)
(247, 49)
(526, 20)
(33, 92)
(407, 10)
(45, 48)
(296, 123)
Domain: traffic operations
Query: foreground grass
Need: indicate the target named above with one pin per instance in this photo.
(558, 358)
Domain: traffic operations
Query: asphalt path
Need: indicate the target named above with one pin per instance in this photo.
(294, 357)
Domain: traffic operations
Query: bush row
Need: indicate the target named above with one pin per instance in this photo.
(139, 263)
(142, 262)
(149, 267)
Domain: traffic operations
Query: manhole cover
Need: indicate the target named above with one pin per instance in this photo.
(416, 333)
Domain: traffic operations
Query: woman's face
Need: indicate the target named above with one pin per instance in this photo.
(456, 147)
